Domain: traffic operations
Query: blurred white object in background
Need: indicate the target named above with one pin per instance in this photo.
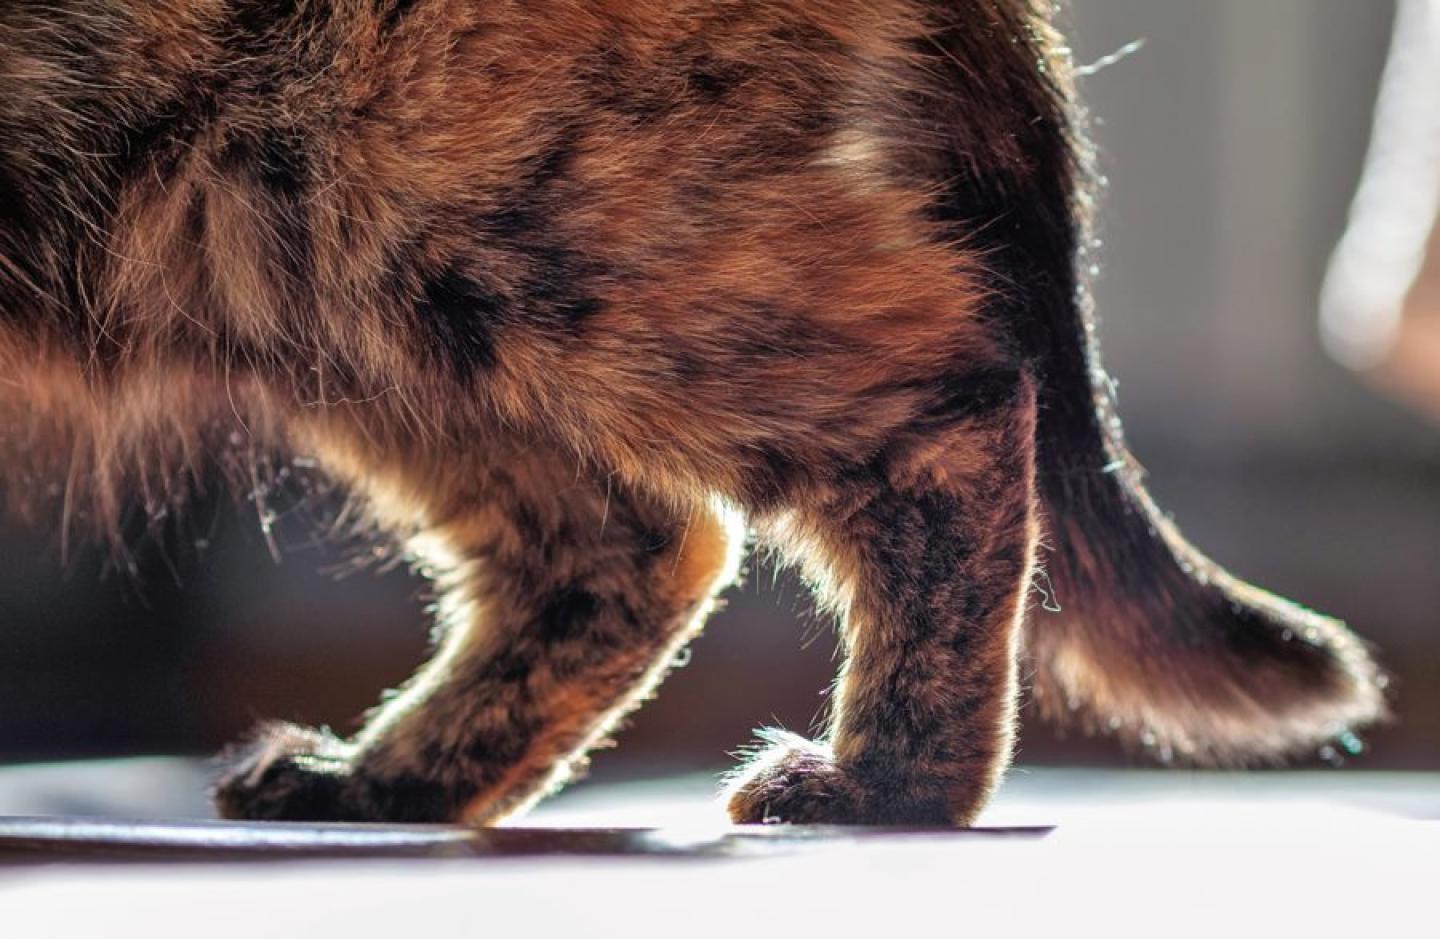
(1377, 263)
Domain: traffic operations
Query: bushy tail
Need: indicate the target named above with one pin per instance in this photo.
(1152, 639)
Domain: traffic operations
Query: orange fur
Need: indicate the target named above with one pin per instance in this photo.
(558, 288)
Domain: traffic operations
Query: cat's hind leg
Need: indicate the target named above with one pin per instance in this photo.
(926, 550)
(565, 598)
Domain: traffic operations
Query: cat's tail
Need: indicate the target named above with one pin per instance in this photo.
(1152, 639)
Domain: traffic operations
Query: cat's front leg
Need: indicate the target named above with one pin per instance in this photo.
(286, 772)
(565, 598)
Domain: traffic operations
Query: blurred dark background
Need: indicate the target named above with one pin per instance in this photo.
(1232, 142)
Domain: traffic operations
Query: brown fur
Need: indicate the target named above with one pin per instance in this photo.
(559, 287)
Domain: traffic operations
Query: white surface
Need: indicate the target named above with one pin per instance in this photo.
(1134, 854)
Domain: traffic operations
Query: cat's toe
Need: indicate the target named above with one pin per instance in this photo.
(285, 773)
(797, 781)
(792, 780)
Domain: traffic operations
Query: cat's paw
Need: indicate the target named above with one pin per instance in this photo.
(285, 773)
(796, 781)
(790, 780)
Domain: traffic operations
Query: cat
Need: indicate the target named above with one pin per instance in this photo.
(577, 296)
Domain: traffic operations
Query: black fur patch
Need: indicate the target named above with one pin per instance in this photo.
(14, 210)
(393, 12)
(712, 80)
(196, 219)
(275, 159)
(525, 216)
(281, 164)
(500, 746)
(460, 315)
(970, 393)
(407, 799)
(567, 614)
(554, 288)
(17, 231)
(552, 291)
(157, 140)
(258, 23)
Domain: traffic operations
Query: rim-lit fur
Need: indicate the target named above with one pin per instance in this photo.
(563, 290)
